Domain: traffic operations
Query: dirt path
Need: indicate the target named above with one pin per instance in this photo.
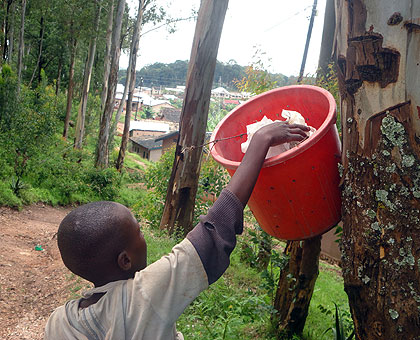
(32, 282)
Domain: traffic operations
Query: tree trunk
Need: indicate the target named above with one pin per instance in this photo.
(21, 43)
(70, 88)
(11, 32)
(107, 59)
(59, 72)
(6, 28)
(130, 82)
(296, 285)
(38, 65)
(102, 151)
(326, 53)
(377, 50)
(80, 125)
(293, 304)
(180, 198)
(308, 39)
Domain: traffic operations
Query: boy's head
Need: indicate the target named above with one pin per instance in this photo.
(102, 242)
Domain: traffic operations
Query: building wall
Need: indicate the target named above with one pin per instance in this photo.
(138, 149)
(154, 155)
(168, 143)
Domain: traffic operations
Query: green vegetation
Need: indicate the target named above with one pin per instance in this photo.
(37, 165)
(173, 74)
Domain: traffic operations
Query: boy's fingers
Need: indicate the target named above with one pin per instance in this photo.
(300, 126)
(299, 132)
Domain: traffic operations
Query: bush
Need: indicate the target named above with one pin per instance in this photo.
(7, 197)
(213, 178)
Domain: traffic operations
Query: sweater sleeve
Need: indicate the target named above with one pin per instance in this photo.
(214, 238)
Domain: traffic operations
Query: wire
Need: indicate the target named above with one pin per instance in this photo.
(283, 21)
(190, 148)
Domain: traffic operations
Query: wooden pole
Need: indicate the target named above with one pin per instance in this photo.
(180, 199)
(308, 39)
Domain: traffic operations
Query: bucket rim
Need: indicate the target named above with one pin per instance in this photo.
(289, 154)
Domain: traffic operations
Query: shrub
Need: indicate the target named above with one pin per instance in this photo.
(7, 197)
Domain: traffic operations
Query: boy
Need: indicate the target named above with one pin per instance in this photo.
(102, 243)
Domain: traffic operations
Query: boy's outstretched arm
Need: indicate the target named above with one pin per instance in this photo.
(214, 238)
(243, 181)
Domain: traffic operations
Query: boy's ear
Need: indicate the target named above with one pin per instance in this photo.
(124, 261)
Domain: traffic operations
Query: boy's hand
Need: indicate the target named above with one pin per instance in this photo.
(279, 133)
(243, 181)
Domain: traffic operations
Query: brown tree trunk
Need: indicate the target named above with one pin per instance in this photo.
(6, 29)
(326, 52)
(296, 285)
(107, 59)
(70, 88)
(21, 43)
(11, 32)
(179, 205)
(293, 304)
(38, 65)
(80, 125)
(59, 72)
(377, 50)
(102, 151)
(130, 82)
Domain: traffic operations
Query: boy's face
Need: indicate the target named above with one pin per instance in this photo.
(137, 248)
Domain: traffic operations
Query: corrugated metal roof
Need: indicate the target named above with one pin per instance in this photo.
(149, 126)
(149, 143)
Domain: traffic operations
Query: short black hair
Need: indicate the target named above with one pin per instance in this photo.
(91, 236)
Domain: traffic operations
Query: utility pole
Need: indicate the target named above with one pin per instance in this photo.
(308, 39)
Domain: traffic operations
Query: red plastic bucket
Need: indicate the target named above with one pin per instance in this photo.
(297, 193)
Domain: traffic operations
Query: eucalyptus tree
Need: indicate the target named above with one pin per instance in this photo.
(180, 198)
(377, 54)
(102, 151)
(80, 124)
(131, 80)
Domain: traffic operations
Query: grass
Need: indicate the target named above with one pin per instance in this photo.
(235, 307)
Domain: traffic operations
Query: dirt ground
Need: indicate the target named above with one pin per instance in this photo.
(32, 282)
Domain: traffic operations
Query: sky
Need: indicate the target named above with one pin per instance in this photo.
(275, 28)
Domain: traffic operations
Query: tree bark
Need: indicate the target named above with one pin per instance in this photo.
(296, 285)
(327, 42)
(179, 205)
(80, 125)
(292, 311)
(131, 82)
(38, 65)
(377, 50)
(6, 28)
(21, 43)
(102, 151)
(70, 89)
(107, 59)
(59, 72)
(11, 32)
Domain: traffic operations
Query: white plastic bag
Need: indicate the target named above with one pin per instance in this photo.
(292, 117)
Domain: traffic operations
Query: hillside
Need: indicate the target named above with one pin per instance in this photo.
(173, 74)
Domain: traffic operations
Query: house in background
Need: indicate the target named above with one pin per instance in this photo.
(150, 128)
(169, 115)
(147, 147)
(168, 140)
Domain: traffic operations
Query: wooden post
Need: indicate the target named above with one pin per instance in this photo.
(308, 39)
(180, 199)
